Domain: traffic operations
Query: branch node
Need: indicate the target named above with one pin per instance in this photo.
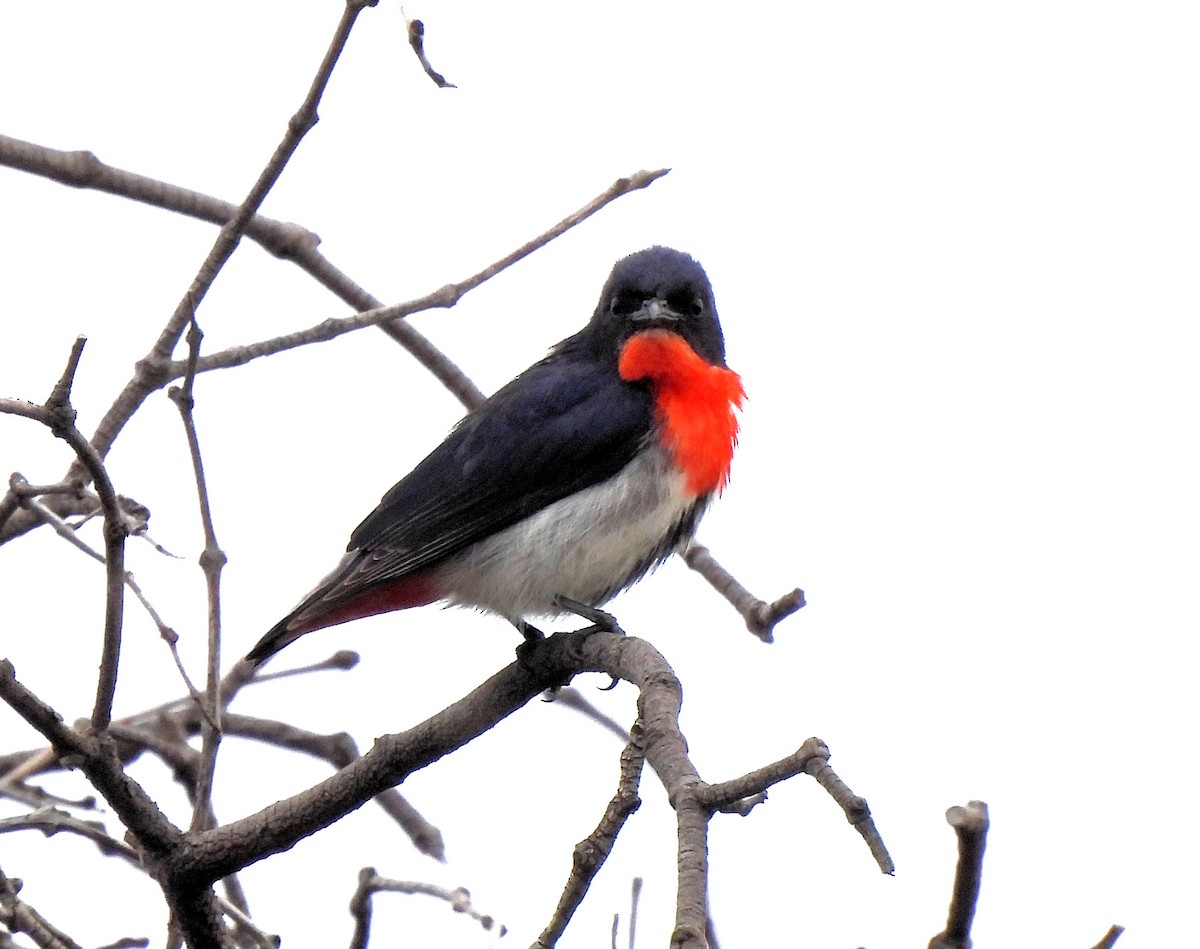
(152, 372)
(60, 396)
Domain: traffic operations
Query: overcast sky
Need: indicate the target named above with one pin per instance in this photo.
(954, 247)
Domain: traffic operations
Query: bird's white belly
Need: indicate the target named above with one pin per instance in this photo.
(588, 546)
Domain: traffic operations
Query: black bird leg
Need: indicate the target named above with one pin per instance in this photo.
(601, 622)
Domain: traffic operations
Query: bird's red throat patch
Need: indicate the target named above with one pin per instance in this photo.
(695, 402)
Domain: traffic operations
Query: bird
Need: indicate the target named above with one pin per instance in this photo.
(570, 483)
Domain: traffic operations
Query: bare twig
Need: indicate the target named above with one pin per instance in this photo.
(854, 807)
(970, 823)
(287, 241)
(16, 766)
(340, 750)
(370, 883)
(58, 415)
(187, 865)
(246, 926)
(60, 526)
(156, 370)
(570, 697)
(94, 753)
(59, 404)
(23, 489)
(591, 852)
(150, 375)
(51, 820)
(69, 534)
(19, 917)
(1110, 938)
(60, 395)
(635, 899)
(212, 560)
(169, 743)
(416, 39)
(446, 297)
(342, 659)
(761, 617)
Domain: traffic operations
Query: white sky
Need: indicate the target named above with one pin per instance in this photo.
(954, 247)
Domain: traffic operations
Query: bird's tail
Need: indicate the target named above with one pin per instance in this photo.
(276, 638)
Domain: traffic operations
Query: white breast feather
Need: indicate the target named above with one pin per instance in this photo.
(583, 546)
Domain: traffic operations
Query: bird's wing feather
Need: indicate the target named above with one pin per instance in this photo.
(562, 426)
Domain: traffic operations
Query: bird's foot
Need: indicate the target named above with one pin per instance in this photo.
(601, 621)
(531, 633)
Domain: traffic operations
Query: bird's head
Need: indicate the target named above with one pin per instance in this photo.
(656, 288)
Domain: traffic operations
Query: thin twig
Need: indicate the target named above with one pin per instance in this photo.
(635, 899)
(761, 617)
(58, 415)
(17, 766)
(60, 395)
(94, 753)
(289, 242)
(591, 852)
(570, 697)
(17, 916)
(853, 806)
(370, 883)
(247, 926)
(59, 405)
(59, 526)
(51, 820)
(68, 533)
(443, 298)
(339, 750)
(416, 39)
(156, 370)
(1110, 938)
(212, 560)
(23, 489)
(150, 374)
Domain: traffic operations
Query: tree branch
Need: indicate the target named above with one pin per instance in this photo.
(370, 883)
(761, 617)
(416, 39)
(1110, 938)
(52, 820)
(212, 560)
(289, 242)
(58, 415)
(970, 823)
(591, 852)
(20, 917)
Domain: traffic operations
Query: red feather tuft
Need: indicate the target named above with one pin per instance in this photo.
(695, 403)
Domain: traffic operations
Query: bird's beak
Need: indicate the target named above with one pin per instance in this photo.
(655, 312)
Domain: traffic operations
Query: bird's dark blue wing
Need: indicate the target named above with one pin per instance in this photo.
(561, 426)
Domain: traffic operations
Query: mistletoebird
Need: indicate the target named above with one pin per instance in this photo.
(569, 484)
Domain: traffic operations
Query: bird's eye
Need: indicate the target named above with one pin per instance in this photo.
(686, 303)
(626, 302)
